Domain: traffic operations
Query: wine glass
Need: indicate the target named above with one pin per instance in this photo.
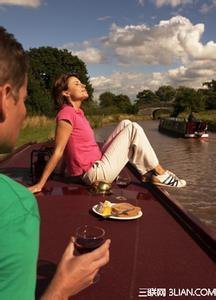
(87, 238)
(122, 181)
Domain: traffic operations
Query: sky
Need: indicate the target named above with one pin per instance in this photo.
(127, 45)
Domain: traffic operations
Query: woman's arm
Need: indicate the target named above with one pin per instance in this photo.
(63, 131)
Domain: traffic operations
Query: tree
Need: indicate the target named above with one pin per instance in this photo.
(46, 64)
(39, 100)
(211, 85)
(113, 104)
(187, 100)
(166, 93)
(123, 103)
(106, 99)
(92, 108)
(210, 94)
(146, 98)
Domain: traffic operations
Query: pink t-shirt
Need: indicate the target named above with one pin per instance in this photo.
(81, 150)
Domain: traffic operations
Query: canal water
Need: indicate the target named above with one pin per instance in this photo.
(191, 159)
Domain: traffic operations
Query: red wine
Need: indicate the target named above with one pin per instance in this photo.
(85, 245)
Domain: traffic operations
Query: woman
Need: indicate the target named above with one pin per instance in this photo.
(75, 140)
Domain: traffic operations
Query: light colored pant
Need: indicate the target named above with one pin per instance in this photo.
(127, 142)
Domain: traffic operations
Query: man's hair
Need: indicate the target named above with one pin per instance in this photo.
(60, 85)
(13, 61)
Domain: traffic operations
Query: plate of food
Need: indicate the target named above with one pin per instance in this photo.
(117, 211)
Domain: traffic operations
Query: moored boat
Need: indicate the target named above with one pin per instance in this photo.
(183, 128)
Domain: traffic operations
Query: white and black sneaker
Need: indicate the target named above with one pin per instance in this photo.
(168, 179)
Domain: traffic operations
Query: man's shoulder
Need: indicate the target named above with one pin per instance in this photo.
(8, 184)
(15, 198)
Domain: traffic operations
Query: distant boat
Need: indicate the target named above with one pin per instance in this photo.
(184, 128)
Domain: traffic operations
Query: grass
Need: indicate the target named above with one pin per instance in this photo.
(36, 129)
(98, 121)
(40, 128)
(209, 115)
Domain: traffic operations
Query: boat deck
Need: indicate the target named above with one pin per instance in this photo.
(165, 249)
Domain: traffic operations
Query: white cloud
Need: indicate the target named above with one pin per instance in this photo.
(128, 83)
(176, 40)
(192, 75)
(141, 2)
(31, 3)
(86, 52)
(173, 3)
(206, 7)
(104, 18)
(160, 3)
(90, 55)
(169, 41)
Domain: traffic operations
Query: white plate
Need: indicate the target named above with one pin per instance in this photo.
(117, 218)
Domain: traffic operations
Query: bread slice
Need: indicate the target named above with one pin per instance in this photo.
(125, 210)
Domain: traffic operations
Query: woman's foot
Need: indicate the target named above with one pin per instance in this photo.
(167, 179)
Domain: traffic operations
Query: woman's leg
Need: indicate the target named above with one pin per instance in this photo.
(121, 125)
(127, 143)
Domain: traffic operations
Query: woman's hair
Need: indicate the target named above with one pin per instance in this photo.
(60, 85)
(13, 61)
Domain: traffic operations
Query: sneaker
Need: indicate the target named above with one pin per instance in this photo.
(168, 179)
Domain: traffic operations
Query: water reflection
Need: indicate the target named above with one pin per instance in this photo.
(191, 159)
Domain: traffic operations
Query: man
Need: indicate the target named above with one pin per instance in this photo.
(19, 216)
(191, 117)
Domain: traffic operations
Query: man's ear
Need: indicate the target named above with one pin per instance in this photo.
(2, 112)
(5, 91)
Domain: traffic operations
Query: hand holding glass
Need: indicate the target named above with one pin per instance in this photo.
(89, 238)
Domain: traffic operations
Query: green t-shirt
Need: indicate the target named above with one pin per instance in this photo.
(19, 241)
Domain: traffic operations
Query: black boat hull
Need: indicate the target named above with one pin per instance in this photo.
(182, 128)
